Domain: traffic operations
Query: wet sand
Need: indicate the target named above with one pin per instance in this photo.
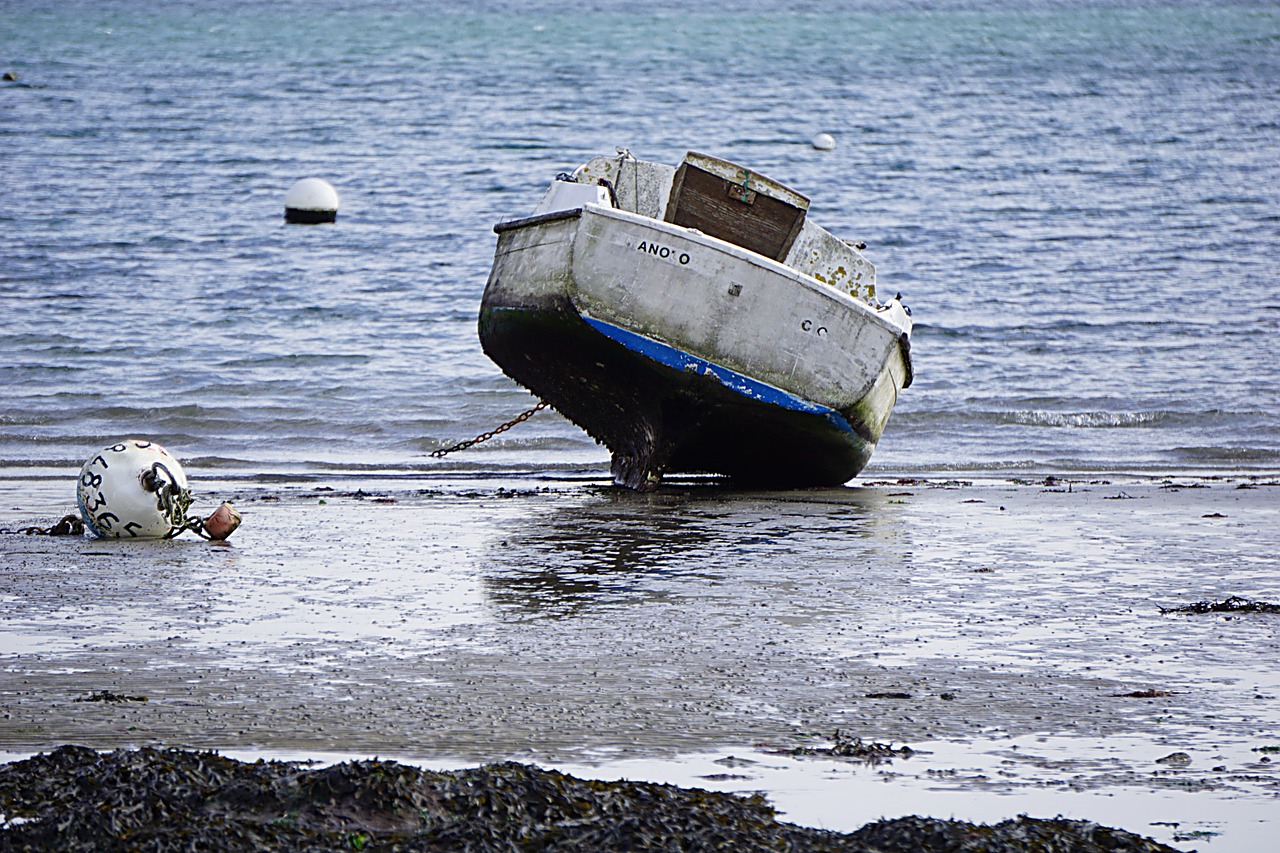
(1009, 631)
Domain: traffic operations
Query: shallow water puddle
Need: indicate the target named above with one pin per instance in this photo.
(1112, 782)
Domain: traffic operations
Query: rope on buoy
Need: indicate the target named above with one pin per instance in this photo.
(485, 436)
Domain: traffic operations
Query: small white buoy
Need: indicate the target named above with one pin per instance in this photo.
(133, 489)
(311, 201)
(824, 142)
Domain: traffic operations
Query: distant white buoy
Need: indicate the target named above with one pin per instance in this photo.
(311, 201)
(133, 490)
(824, 142)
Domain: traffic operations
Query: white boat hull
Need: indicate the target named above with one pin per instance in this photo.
(685, 353)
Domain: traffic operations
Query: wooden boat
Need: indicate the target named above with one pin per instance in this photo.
(692, 319)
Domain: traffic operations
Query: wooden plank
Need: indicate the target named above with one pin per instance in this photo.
(734, 173)
(736, 205)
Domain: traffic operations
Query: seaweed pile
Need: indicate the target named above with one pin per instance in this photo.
(76, 799)
(1234, 604)
(850, 746)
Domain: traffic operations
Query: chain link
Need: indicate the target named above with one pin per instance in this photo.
(485, 436)
(70, 525)
(173, 501)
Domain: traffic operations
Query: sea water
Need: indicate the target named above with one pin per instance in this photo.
(1080, 201)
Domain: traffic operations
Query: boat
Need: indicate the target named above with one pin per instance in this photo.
(694, 321)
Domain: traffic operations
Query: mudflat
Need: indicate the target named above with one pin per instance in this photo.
(1019, 636)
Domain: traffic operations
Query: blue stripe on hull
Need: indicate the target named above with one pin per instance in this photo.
(680, 360)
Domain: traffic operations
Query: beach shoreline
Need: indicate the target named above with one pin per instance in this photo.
(581, 626)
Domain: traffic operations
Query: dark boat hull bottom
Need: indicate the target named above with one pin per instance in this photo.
(657, 419)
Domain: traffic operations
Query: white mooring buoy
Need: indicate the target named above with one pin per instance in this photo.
(128, 490)
(311, 201)
(824, 142)
(136, 490)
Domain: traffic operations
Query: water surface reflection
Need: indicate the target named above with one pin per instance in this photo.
(615, 547)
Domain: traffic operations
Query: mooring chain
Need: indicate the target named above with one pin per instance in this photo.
(172, 501)
(70, 525)
(485, 436)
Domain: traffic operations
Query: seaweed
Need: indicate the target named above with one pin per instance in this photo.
(1149, 693)
(850, 746)
(76, 799)
(1234, 604)
(1056, 835)
(108, 696)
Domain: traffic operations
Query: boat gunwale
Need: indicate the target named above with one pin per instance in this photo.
(537, 219)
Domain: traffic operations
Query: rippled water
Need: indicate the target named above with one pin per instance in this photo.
(1080, 204)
